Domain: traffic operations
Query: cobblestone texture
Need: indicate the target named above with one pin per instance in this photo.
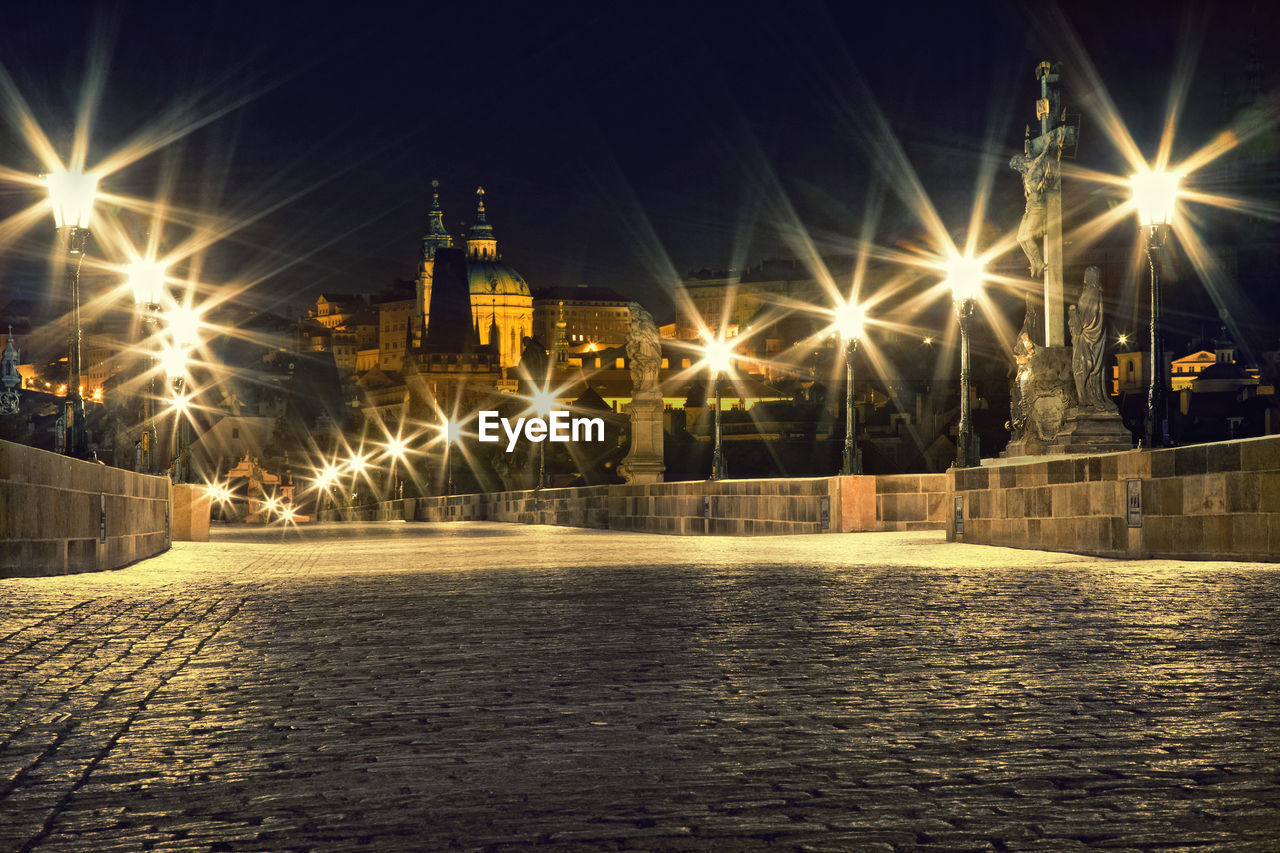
(483, 686)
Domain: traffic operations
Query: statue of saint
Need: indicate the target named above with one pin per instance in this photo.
(1023, 350)
(644, 352)
(1089, 344)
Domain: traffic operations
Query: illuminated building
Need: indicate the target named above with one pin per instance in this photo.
(592, 315)
(395, 308)
(501, 305)
(452, 370)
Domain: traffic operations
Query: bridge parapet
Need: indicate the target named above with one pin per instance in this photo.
(60, 515)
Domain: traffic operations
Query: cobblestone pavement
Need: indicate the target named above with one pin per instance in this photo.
(485, 686)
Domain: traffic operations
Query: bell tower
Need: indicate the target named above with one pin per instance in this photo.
(436, 238)
(481, 244)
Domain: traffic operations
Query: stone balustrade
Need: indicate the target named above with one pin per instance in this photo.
(61, 515)
(1208, 501)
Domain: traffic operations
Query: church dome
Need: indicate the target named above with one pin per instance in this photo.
(494, 278)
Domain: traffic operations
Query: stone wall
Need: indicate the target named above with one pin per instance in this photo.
(60, 515)
(1214, 501)
(893, 502)
(694, 507)
(189, 513)
(739, 507)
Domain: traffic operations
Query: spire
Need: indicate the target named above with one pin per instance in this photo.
(561, 343)
(495, 333)
(450, 306)
(437, 236)
(481, 244)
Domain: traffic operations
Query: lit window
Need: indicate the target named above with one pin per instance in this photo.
(684, 362)
(664, 364)
(619, 363)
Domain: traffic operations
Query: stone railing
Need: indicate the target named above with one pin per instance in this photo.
(60, 515)
(777, 506)
(1209, 501)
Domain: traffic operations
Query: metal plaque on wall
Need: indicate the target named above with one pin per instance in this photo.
(960, 515)
(1133, 502)
(824, 513)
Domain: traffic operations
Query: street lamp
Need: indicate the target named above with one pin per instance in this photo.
(173, 360)
(965, 275)
(357, 465)
(1154, 195)
(543, 403)
(450, 429)
(849, 322)
(146, 279)
(326, 479)
(397, 450)
(718, 354)
(71, 197)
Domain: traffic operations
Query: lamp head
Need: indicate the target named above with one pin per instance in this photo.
(543, 402)
(173, 360)
(184, 325)
(71, 195)
(1154, 194)
(146, 278)
(397, 448)
(964, 276)
(850, 320)
(718, 355)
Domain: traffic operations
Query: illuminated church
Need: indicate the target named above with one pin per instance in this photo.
(501, 303)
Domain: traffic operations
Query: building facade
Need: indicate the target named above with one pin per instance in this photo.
(591, 315)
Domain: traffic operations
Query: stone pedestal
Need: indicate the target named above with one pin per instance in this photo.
(1091, 431)
(1054, 421)
(189, 513)
(644, 461)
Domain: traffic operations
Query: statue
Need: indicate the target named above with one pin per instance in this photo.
(10, 379)
(534, 365)
(1036, 176)
(1088, 345)
(1024, 349)
(644, 460)
(644, 353)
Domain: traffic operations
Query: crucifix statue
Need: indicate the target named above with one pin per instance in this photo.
(1039, 166)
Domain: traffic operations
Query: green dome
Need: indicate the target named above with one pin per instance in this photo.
(494, 278)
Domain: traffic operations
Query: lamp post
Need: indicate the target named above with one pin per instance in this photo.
(71, 196)
(357, 465)
(964, 275)
(174, 362)
(325, 480)
(397, 450)
(850, 319)
(543, 404)
(450, 430)
(1154, 196)
(146, 279)
(719, 357)
(183, 325)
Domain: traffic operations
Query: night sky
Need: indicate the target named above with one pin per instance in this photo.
(619, 146)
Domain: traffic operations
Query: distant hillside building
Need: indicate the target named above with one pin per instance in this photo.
(592, 315)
